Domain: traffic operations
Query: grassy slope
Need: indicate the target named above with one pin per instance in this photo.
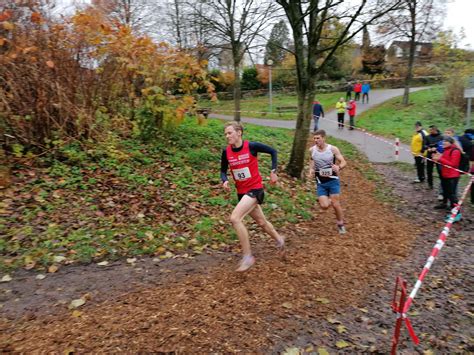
(392, 119)
(259, 106)
(130, 198)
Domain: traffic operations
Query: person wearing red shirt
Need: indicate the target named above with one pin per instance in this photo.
(351, 110)
(451, 158)
(241, 157)
(357, 90)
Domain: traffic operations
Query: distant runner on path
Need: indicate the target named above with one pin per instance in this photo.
(326, 164)
(241, 157)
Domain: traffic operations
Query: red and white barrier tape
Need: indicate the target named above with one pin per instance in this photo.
(436, 249)
(396, 144)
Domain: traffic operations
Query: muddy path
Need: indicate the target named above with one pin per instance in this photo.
(331, 292)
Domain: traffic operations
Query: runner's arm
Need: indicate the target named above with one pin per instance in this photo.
(256, 147)
(340, 161)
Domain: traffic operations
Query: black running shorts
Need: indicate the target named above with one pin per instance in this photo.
(259, 194)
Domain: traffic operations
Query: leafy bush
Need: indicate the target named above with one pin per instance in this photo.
(250, 80)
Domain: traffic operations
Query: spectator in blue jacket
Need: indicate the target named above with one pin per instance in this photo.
(318, 112)
(365, 92)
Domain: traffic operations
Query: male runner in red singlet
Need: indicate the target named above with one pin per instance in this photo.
(325, 165)
(241, 157)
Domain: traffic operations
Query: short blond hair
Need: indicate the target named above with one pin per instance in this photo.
(237, 126)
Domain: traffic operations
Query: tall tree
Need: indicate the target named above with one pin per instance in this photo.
(415, 21)
(373, 57)
(236, 24)
(139, 15)
(278, 43)
(319, 29)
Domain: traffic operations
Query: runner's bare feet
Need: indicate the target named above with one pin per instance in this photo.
(246, 263)
(281, 247)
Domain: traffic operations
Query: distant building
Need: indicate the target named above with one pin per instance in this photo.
(398, 53)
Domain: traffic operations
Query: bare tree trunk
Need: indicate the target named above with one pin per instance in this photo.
(178, 25)
(298, 151)
(237, 93)
(409, 76)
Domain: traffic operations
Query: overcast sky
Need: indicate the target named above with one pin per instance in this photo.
(460, 14)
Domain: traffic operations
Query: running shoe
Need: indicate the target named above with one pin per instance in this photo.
(246, 263)
(342, 229)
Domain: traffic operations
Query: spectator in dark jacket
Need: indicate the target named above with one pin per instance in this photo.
(466, 141)
(451, 158)
(318, 112)
(349, 89)
(432, 141)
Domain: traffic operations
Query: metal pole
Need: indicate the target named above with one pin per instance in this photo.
(270, 85)
(468, 118)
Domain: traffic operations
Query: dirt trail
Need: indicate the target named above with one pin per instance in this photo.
(214, 309)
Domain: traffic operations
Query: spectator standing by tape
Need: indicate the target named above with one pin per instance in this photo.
(450, 159)
(418, 151)
(365, 92)
(351, 110)
(433, 144)
(325, 165)
(341, 111)
(467, 144)
(318, 112)
(241, 157)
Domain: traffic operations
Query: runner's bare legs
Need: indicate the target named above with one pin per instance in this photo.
(243, 208)
(259, 218)
(325, 202)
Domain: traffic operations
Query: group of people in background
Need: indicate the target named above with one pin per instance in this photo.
(358, 88)
(348, 104)
(451, 154)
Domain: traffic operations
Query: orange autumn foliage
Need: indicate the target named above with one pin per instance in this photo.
(57, 76)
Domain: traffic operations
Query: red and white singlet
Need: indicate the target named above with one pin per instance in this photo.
(244, 168)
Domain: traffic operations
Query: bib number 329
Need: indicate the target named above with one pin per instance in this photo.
(241, 174)
(325, 172)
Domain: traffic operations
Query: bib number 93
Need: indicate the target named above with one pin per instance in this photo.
(241, 174)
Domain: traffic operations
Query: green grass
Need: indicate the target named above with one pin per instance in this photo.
(258, 107)
(392, 119)
(125, 198)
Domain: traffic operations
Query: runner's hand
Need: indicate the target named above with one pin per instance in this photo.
(273, 178)
(226, 186)
(336, 168)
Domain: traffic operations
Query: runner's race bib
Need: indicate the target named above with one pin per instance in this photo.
(325, 172)
(241, 174)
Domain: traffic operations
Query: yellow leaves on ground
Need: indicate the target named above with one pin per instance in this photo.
(50, 64)
(341, 344)
(53, 268)
(8, 26)
(322, 300)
